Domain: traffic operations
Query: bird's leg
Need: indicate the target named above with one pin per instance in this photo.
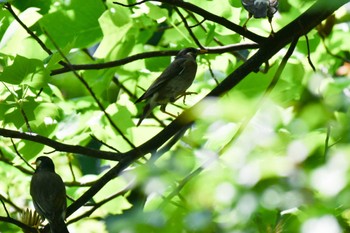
(245, 23)
(162, 108)
(184, 95)
(272, 34)
(267, 67)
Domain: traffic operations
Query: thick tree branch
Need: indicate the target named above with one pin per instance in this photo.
(297, 28)
(312, 17)
(61, 146)
(18, 223)
(273, 83)
(302, 25)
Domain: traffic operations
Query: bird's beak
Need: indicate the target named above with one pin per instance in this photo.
(35, 163)
(202, 51)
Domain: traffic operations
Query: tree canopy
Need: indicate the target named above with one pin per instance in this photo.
(261, 144)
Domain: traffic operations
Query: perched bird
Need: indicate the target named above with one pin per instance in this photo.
(260, 9)
(49, 194)
(172, 83)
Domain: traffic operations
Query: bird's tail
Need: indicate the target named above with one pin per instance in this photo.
(146, 111)
(58, 226)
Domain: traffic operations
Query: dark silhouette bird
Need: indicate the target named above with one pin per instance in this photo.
(172, 83)
(260, 9)
(49, 194)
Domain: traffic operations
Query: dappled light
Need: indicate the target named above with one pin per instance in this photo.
(175, 116)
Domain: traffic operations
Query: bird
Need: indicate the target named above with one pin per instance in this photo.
(260, 9)
(49, 194)
(172, 83)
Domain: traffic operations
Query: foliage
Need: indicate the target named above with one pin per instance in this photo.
(262, 147)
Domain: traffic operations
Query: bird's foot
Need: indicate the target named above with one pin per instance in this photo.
(170, 114)
(185, 94)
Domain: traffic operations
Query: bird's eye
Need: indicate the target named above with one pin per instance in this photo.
(37, 163)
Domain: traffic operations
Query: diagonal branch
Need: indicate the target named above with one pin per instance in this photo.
(208, 16)
(189, 28)
(86, 85)
(18, 224)
(61, 146)
(312, 17)
(35, 37)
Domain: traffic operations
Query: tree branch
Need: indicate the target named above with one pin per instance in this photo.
(313, 16)
(189, 29)
(35, 37)
(18, 223)
(209, 16)
(61, 146)
(86, 85)
(140, 56)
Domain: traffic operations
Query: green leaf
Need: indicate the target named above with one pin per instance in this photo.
(43, 5)
(235, 3)
(114, 32)
(210, 34)
(99, 80)
(75, 23)
(16, 40)
(155, 12)
(25, 71)
(157, 64)
(53, 59)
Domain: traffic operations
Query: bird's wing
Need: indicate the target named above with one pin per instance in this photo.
(174, 69)
(258, 8)
(247, 2)
(50, 197)
(272, 8)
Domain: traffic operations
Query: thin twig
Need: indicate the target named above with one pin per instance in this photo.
(208, 16)
(281, 67)
(131, 5)
(79, 184)
(189, 29)
(212, 73)
(71, 170)
(180, 186)
(308, 53)
(35, 37)
(9, 162)
(86, 85)
(3, 204)
(326, 143)
(99, 204)
(20, 156)
(13, 205)
(344, 59)
(25, 119)
(103, 143)
(168, 145)
(234, 52)
(268, 90)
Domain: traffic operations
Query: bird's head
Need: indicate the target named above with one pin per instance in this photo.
(193, 52)
(44, 163)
